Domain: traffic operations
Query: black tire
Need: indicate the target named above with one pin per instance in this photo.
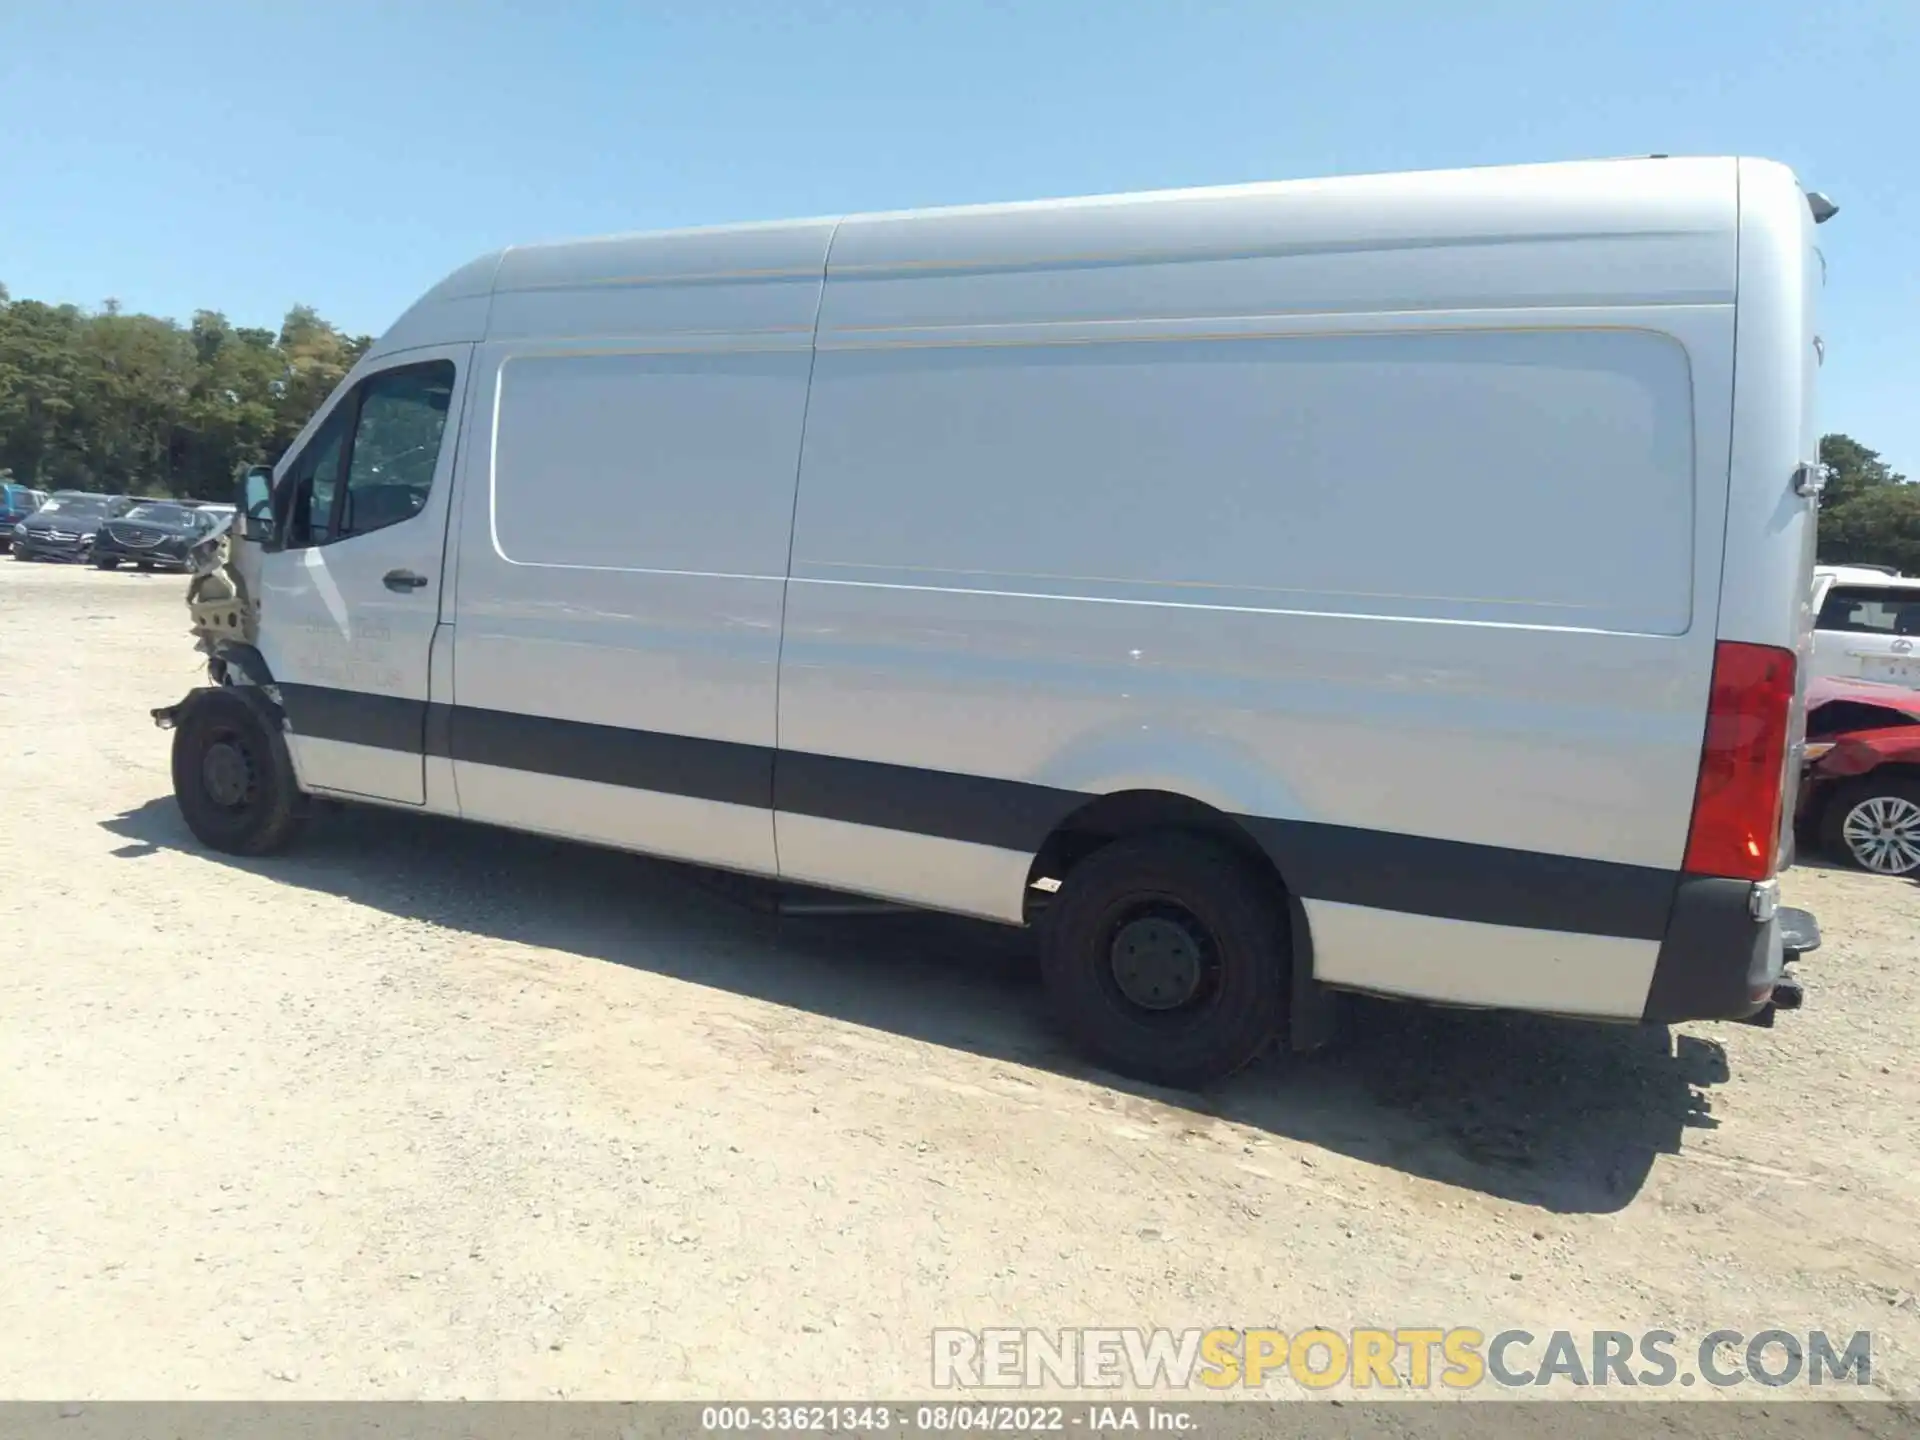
(107, 562)
(233, 777)
(1901, 797)
(1212, 917)
(143, 565)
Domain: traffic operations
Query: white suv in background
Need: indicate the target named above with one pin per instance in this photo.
(1867, 624)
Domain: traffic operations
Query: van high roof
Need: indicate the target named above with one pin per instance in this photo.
(1470, 238)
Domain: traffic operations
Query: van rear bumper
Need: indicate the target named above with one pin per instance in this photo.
(1717, 962)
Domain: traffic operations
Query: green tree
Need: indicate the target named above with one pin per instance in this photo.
(1853, 470)
(1879, 527)
(137, 374)
(1869, 512)
(232, 417)
(40, 384)
(316, 356)
(126, 402)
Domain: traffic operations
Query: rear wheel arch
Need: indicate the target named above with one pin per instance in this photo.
(1125, 813)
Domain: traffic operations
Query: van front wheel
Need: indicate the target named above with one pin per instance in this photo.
(233, 777)
(1166, 957)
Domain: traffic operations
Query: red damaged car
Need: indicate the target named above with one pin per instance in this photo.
(1860, 790)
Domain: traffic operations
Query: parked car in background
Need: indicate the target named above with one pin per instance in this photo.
(65, 527)
(153, 535)
(17, 502)
(1860, 790)
(1867, 624)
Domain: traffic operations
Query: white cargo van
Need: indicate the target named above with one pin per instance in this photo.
(1394, 584)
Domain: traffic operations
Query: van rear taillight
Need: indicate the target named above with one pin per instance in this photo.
(1742, 784)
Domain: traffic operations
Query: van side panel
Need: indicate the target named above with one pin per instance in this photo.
(1425, 597)
(1424, 474)
(622, 555)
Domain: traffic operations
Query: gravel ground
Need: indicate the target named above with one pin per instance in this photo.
(425, 1110)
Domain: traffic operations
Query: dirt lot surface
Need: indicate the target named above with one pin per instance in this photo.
(434, 1111)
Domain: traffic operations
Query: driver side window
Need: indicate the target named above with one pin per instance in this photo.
(314, 481)
(396, 446)
(371, 464)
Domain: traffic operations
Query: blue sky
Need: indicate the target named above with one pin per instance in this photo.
(248, 155)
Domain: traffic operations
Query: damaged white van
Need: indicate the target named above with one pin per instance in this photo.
(1393, 584)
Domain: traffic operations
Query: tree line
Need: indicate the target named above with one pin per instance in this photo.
(137, 404)
(1870, 513)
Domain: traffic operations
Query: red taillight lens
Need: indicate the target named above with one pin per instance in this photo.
(1736, 805)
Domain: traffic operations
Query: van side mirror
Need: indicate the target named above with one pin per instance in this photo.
(254, 519)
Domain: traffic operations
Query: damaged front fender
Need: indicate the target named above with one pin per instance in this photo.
(225, 621)
(224, 612)
(218, 598)
(171, 717)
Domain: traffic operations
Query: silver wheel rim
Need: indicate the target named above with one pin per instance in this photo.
(1883, 834)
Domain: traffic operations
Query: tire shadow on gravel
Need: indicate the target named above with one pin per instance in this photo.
(1560, 1114)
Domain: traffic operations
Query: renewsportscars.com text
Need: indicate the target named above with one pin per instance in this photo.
(1406, 1357)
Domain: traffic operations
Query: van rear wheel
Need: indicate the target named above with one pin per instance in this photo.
(233, 777)
(1166, 957)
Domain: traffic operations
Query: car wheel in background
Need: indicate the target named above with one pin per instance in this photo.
(232, 775)
(1874, 823)
(107, 562)
(1166, 957)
